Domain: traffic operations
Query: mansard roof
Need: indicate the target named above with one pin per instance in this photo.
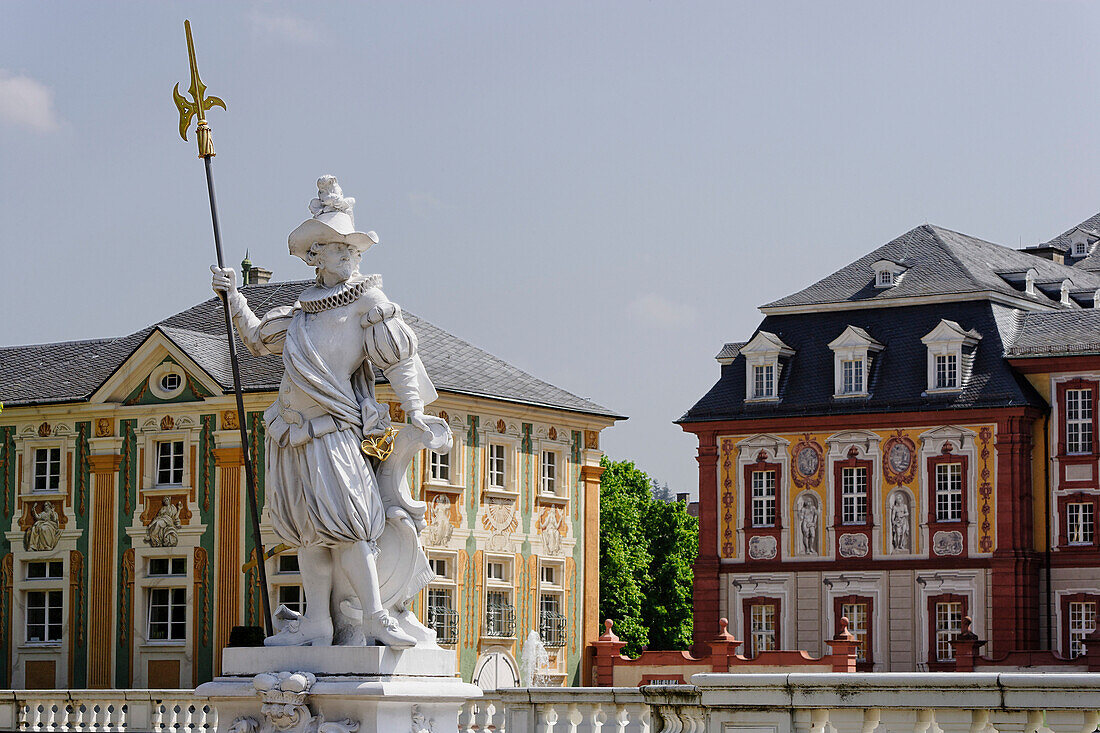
(71, 371)
(898, 378)
(1063, 243)
(940, 264)
(1061, 333)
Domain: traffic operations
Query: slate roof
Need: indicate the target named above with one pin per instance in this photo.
(898, 376)
(71, 371)
(939, 262)
(1066, 333)
(1062, 242)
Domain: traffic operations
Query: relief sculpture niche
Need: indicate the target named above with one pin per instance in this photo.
(163, 531)
(808, 512)
(439, 530)
(42, 536)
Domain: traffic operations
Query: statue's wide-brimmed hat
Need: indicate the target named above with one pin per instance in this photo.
(332, 222)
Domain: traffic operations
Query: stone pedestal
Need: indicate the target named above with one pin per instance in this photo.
(337, 690)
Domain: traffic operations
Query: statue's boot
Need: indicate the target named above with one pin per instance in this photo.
(384, 628)
(303, 632)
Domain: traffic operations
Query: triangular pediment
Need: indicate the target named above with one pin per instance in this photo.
(855, 337)
(766, 343)
(134, 382)
(950, 331)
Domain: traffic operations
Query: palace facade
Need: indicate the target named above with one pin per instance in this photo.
(910, 441)
(127, 558)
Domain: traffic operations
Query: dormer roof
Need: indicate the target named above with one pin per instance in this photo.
(855, 337)
(768, 344)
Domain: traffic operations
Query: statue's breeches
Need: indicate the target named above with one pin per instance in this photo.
(322, 492)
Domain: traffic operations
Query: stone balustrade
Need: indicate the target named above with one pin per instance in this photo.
(715, 703)
(104, 710)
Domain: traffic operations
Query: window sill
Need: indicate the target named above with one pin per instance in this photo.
(500, 493)
(45, 495)
(852, 396)
(178, 645)
(938, 391)
(765, 400)
(441, 487)
(166, 490)
(41, 645)
(552, 499)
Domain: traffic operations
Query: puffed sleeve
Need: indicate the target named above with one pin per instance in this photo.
(392, 346)
(264, 335)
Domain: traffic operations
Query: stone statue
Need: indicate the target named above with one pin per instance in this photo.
(899, 523)
(42, 536)
(438, 532)
(807, 524)
(335, 467)
(163, 531)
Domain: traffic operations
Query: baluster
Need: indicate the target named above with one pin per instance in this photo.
(466, 718)
(550, 718)
(597, 718)
(574, 716)
(622, 718)
(37, 714)
(1071, 721)
(819, 720)
(645, 718)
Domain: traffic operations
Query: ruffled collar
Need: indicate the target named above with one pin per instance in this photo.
(317, 297)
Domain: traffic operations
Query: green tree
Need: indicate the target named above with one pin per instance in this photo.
(647, 547)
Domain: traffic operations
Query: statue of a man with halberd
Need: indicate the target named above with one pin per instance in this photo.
(325, 496)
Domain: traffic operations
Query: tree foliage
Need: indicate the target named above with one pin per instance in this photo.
(647, 546)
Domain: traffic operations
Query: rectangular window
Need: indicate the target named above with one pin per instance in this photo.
(858, 626)
(438, 566)
(1082, 622)
(762, 628)
(885, 277)
(548, 575)
(763, 380)
(288, 563)
(496, 466)
(948, 625)
(44, 614)
(440, 466)
(853, 495)
(1079, 523)
(170, 463)
(949, 495)
(47, 469)
(45, 570)
(500, 614)
(551, 621)
(293, 597)
(165, 566)
(763, 498)
(947, 371)
(1078, 421)
(441, 615)
(852, 376)
(549, 475)
(495, 571)
(167, 614)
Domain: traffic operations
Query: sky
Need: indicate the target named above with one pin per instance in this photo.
(600, 193)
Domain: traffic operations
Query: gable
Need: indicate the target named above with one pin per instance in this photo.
(130, 383)
(150, 391)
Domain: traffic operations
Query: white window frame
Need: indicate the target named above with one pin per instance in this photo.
(549, 472)
(1079, 421)
(763, 498)
(851, 498)
(887, 273)
(509, 446)
(439, 467)
(172, 469)
(48, 474)
(949, 492)
(853, 348)
(759, 631)
(947, 372)
(49, 593)
(948, 339)
(947, 631)
(1080, 627)
(171, 590)
(764, 352)
(1080, 524)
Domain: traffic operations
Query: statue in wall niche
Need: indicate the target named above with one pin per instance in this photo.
(336, 468)
(163, 531)
(900, 540)
(42, 536)
(439, 530)
(807, 511)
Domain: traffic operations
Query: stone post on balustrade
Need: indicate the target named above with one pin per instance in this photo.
(606, 650)
(843, 647)
(723, 647)
(967, 647)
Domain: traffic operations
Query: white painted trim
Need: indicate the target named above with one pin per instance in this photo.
(847, 305)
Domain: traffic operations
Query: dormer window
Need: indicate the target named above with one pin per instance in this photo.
(853, 351)
(765, 356)
(950, 353)
(888, 273)
(1080, 249)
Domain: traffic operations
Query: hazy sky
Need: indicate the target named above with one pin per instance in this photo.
(600, 193)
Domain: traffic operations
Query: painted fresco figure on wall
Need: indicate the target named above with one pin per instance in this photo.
(323, 494)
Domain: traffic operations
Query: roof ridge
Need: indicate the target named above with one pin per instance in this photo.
(936, 229)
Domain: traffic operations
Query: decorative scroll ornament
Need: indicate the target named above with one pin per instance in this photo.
(762, 548)
(380, 446)
(853, 545)
(948, 543)
(420, 722)
(44, 430)
(104, 427)
(42, 536)
(285, 707)
(809, 463)
(898, 459)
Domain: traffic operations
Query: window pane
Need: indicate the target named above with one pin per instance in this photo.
(763, 498)
(853, 499)
(1082, 622)
(948, 626)
(857, 616)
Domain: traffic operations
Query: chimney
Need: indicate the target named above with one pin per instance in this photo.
(682, 497)
(258, 275)
(1047, 252)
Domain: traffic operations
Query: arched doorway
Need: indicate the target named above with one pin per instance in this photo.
(496, 670)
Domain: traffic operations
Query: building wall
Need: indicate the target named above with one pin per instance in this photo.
(109, 497)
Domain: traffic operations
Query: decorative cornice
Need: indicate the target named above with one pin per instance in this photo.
(105, 463)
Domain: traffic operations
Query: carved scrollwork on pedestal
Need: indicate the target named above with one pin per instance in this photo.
(284, 707)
